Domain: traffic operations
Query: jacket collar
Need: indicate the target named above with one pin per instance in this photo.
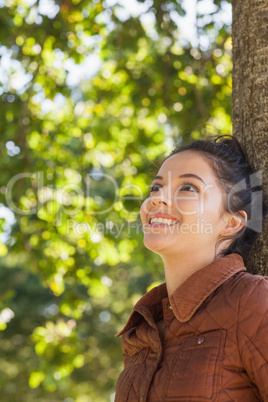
(191, 294)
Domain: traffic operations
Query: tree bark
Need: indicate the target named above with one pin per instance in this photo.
(250, 101)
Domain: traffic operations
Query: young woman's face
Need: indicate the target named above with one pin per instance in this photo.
(183, 213)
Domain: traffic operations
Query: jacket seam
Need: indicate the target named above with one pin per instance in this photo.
(237, 321)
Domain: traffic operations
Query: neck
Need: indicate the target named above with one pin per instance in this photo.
(179, 268)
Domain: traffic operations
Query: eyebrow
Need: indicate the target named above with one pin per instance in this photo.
(181, 176)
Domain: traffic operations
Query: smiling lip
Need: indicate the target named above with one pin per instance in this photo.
(163, 216)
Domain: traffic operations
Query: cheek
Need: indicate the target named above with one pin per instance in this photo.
(145, 207)
(189, 204)
(213, 206)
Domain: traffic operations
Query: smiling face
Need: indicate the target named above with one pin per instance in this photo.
(184, 211)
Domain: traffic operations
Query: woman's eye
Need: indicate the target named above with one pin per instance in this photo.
(155, 187)
(184, 187)
(188, 187)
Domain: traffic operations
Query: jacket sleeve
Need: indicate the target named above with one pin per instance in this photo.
(252, 332)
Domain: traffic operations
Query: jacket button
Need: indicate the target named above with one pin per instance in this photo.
(170, 307)
(200, 340)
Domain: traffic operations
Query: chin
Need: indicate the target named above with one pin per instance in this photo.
(154, 244)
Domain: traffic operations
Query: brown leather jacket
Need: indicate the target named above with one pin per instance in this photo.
(215, 339)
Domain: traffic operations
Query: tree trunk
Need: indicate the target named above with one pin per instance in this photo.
(250, 101)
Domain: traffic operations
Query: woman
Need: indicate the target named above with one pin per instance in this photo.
(203, 335)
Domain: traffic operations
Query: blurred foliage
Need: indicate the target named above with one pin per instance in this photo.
(91, 96)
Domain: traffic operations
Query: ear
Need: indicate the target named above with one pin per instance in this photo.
(234, 223)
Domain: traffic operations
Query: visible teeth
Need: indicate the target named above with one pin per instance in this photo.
(163, 220)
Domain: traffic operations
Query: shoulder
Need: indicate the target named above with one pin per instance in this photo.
(246, 305)
(252, 304)
(247, 287)
(254, 291)
(244, 294)
(255, 294)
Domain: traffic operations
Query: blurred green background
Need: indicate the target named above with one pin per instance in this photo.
(93, 95)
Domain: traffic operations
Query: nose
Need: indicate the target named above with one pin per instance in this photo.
(160, 198)
(154, 202)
